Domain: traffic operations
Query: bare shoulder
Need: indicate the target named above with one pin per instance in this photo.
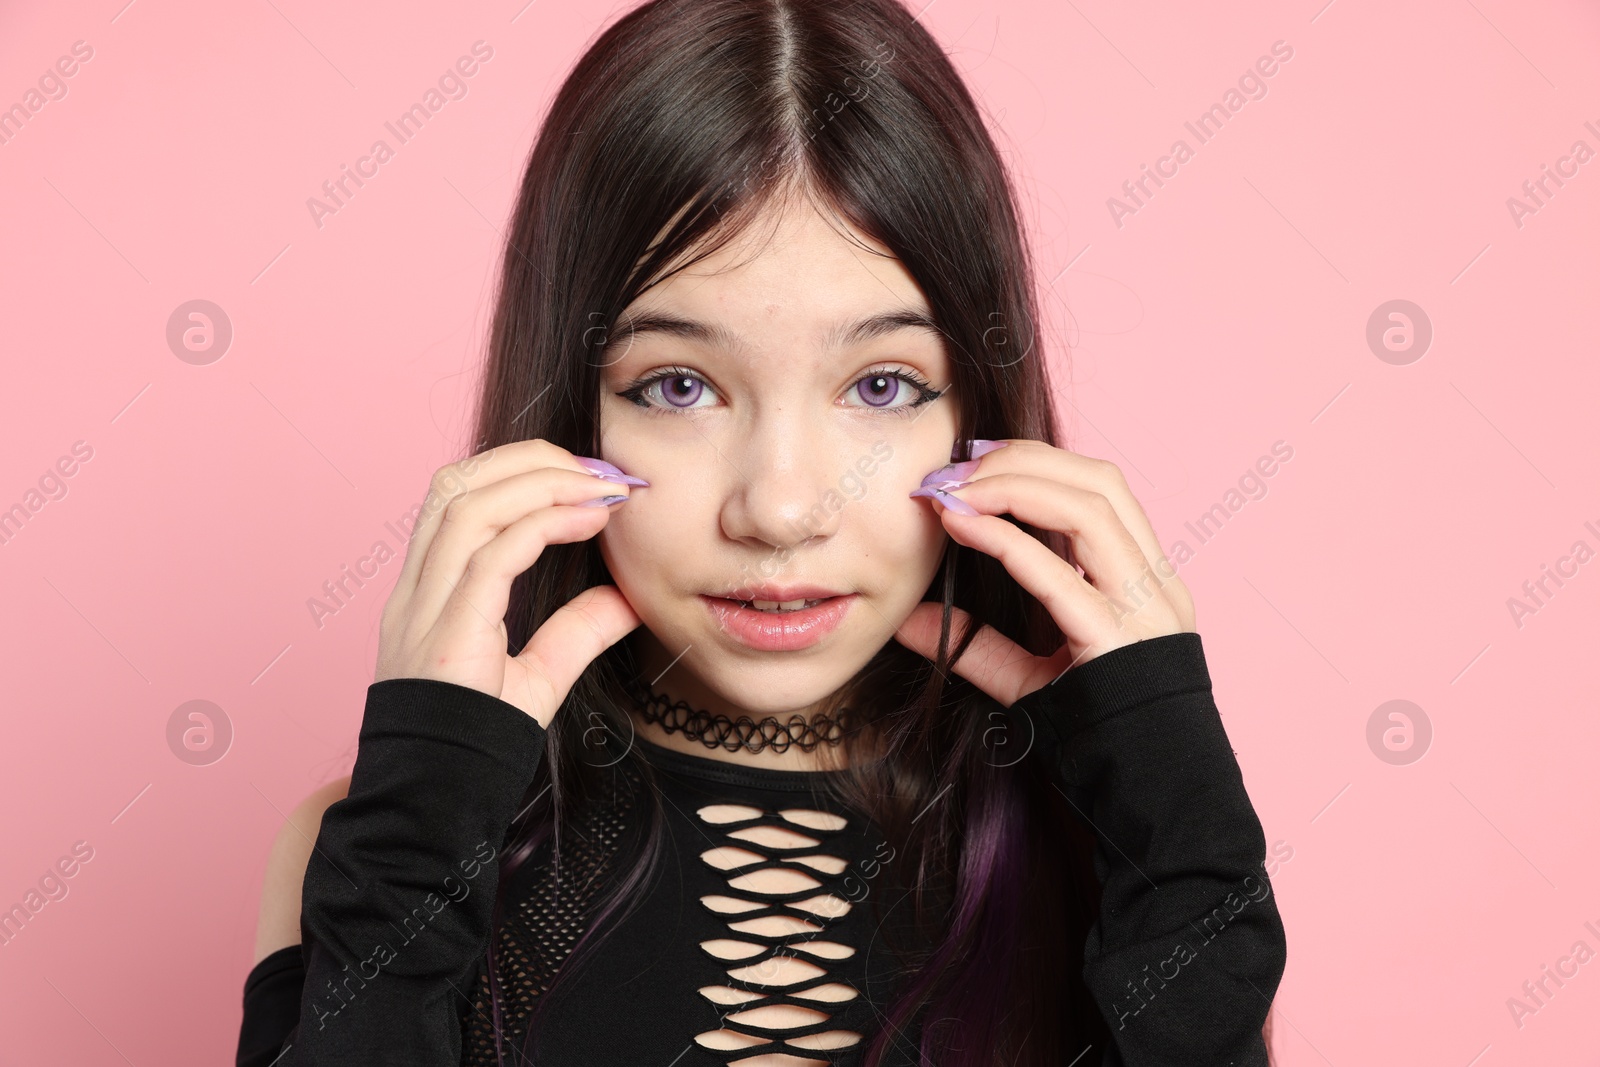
(279, 923)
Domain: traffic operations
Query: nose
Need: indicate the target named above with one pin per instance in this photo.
(783, 492)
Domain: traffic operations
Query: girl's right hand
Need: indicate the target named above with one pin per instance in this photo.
(486, 520)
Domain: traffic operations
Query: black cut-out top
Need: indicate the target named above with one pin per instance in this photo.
(773, 934)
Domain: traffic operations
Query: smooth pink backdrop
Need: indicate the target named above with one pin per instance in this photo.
(1229, 312)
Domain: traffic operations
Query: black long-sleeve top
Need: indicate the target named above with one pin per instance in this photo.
(761, 897)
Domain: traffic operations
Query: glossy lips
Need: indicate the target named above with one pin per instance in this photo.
(778, 631)
(778, 592)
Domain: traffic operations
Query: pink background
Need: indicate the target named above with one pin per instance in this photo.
(1228, 313)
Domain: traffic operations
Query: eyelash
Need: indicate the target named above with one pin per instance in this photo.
(634, 393)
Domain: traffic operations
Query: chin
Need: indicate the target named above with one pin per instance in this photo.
(767, 689)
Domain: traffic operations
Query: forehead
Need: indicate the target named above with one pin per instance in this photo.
(790, 277)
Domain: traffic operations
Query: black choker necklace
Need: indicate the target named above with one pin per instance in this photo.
(734, 734)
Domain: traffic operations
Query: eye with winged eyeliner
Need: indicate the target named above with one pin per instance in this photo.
(643, 393)
(923, 391)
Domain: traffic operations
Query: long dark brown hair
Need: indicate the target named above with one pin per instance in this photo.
(690, 117)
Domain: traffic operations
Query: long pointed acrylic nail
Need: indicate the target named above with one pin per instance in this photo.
(609, 472)
(954, 472)
(943, 495)
(938, 488)
(602, 501)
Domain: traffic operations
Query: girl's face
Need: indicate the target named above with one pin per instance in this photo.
(779, 397)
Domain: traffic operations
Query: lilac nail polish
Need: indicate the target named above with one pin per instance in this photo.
(943, 494)
(935, 490)
(956, 504)
(601, 501)
(980, 447)
(608, 471)
(953, 472)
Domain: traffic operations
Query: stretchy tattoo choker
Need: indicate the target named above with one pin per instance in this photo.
(743, 732)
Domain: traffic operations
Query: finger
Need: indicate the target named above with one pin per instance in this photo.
(540, 677)
(1084, 615)
(1083, 472)
(453, 479)
(480, 594)
(474, 518)
(1111, 559)
(990, 661)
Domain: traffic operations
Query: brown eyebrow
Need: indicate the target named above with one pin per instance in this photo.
(718, 336)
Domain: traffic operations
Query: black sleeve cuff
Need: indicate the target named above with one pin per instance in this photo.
(399, 892)
(1189, 947)
(1117, 682)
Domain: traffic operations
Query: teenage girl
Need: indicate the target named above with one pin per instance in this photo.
(837, 714)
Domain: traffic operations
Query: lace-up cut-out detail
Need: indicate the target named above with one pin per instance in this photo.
(775, 990)
(758, 941)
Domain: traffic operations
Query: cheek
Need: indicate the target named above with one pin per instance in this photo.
(651, 540)
(925, 541)
(902, 542)
(901, 530)
(631, 543)
(628, 548)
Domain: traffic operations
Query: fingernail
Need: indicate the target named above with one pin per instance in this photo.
(602, 501)
(608, 471)
(953, 472)
(943, 495)
(942, 487)
(946, 495)
(980, 447)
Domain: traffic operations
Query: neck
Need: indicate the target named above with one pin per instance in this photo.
(774, 740)
(726, 725)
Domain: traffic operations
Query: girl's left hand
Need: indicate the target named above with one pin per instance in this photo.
(1120, 598)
